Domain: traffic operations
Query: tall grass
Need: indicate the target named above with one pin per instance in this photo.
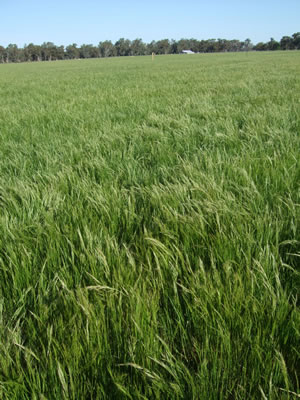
(149, 228)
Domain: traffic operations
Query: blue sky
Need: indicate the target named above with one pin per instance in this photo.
(91, 21)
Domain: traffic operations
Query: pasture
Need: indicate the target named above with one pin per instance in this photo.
(149, 228)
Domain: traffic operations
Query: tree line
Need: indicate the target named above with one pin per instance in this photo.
(48, 51)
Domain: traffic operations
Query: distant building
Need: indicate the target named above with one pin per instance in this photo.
(187, 52)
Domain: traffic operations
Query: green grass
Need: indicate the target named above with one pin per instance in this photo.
(149, 228)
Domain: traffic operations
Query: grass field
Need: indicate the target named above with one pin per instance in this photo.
(149, 228)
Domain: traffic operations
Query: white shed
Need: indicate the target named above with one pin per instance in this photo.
(187, 52)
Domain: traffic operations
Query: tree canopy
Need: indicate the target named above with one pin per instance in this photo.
(48, 51)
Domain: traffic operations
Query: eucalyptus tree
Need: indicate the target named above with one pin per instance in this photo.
(106, 49)
(32, 52)
(48, 51)
(60, 53)
(182, 44)
(72, 51)
(273, 44)
(260, 46)
(138, 48)
(3, 58)
(286, 43)
(247, 45)
(296, 40)
(123, 47)
(163, 46)
(12, 52)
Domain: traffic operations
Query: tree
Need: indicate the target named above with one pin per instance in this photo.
(12, 52)
(194, 45)
(162, 47)
(183, 44)
(260, 46)
(151, 47)
(123, 47)
(2, 54)
(48, 51)
(221, 45)
(211, 45)
(60, 53)
(72, 51)
(106, 49)
(32, 52)
(138, 48)
(94, 52)
(296, 40)
(88, 51)
(202, 46)
(273, 45)
(173, 47)
(235, 45)
(286, 43)
(247, 45)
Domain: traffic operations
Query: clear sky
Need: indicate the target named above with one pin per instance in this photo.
(91, 21)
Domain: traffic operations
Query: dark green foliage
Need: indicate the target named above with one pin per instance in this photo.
(125, 47)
